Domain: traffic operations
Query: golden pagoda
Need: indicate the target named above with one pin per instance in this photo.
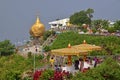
(37, 29)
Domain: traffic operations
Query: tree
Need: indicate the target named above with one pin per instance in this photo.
(96, 24)
(105, 24)
(117, 25)
(111, 29)
(100, 24)
(6, 48)
(89, 12)
(82, 17)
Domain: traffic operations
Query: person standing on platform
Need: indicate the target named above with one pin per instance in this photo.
(96, 60)
(81, 65)
(52, 62)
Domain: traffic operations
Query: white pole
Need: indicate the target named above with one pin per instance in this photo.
(34, 62)
(0, 54)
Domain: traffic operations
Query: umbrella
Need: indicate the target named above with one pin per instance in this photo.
(70, 51)
(81, 49)
(87, 47)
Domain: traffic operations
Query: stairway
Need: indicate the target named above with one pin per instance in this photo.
(49, 41)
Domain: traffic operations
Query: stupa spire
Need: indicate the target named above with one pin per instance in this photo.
(37, 20)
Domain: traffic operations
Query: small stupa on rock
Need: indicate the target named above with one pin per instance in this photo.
(37, 30)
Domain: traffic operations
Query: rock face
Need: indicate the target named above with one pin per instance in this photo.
(38, 29)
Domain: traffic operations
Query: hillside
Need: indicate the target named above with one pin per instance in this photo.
(110, 44)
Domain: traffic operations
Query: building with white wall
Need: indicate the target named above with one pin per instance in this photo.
(111, 23)
(59, 23)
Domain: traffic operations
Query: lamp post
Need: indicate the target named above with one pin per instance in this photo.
(34, 55)
(0, 53)
(41, 49)
(34, 62)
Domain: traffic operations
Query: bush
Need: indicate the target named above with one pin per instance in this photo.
(97, 53)
(40, 57)
(11, 75)
(46, 35)
(29, 54)
(6, 48)
(47, 48)
(46, 75)
(109, 44)
(108, 70)
(13, 66)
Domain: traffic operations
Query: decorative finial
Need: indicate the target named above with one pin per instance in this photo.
(37, 20)
(37, 17)
(69, 45)
(84, 42)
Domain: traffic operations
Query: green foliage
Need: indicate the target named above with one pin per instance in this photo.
(27, 78)
(117, 25)
(47, 48)
(48, 33)
(82, 17)
(64, 39)
(40, 57)
(94, 30)
(84, 30)
(108, 70)
(111, 29)
(6, 48)
(13, 66)
(46, 75)
(97, 53)
(11, 75)
(109, 44)
(89, 12)
(105, 24)
(100, 24)
(96, 24)
(53, 32)
(29, 54)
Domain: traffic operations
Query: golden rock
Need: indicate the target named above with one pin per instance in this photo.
(38, 29)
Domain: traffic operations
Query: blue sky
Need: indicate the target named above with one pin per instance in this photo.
(17, 16)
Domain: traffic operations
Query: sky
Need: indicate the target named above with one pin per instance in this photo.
(17, 16)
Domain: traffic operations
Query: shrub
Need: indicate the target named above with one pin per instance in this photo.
(47, 48)
(109, 44)
(46, 75)
(6, 48)
(40, 57)
(29, 54)
(108, 70)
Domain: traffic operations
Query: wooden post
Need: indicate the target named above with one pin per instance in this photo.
(69, 60)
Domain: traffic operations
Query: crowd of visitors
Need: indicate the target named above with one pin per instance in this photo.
(81, 64)
(86, 63)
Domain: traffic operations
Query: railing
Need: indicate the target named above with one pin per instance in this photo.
(49, 40)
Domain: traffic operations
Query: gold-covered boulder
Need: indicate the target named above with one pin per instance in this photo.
(38, 29)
